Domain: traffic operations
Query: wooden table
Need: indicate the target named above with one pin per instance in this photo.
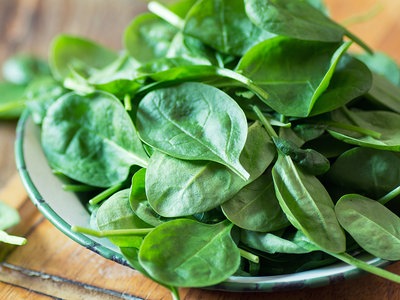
(53, 266)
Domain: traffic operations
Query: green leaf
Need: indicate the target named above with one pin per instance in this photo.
(224, 26)
(72, 52)
(116, 213)
(91, 139)
(384, 123)
(297, 19)
(307, 71)
(9, 216)
(138, 200)
(307, 205)
(255, 207)
(382, 64)
(11, 239)
(194, 121)
(207, 253)
(383, 92)
(270, 242)
(148, 37)
(365, 170)
(12, 100)
(178, 188)
(21, 69)
(374, 227)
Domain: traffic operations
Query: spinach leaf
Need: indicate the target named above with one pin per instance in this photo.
(223, 25)
(311, 161)
(375, 228)
(255, 207)
(384, 123)
(271, 242)
(366, 170)
(351, 80)
(21, 69)
(138, 200)
(118, 78)
(297, 19)
(116, 213)
(12, 100)
(208, 256)
(71, 52)
(384, 93)
(148, 37)
(91, 139)
(176, 187)
(381, 64)
(294, 80)
(9, 217)
(307, 205)
(40, 94)
(194, 121)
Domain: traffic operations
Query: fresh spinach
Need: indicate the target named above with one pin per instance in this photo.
(220, 138)
(9, 217)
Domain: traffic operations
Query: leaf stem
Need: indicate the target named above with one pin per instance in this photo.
(249, 256)
(265, 122)
(358, 129)
(128, 102)
(105, 194)
(12, 239)
(109, 233)
(165, 14)
(366, 267)
(246, 81)
(389, 196)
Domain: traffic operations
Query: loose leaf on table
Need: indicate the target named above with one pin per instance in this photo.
(72, 52)
(255, 207)
(207, 253)
(383, 123)
(294, 72)
(176, 187)
(307, 205)
(224, 26)
(374, 227)
(115, 213)
(194, 121)
(12, 100)
(8, 216)
(91, 139)
(366, 170)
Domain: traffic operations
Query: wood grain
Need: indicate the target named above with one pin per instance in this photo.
(53, 266)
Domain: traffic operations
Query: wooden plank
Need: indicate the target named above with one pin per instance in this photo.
(45, 284)
(12, 292)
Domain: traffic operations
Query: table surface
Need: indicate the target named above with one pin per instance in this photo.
(53, 266)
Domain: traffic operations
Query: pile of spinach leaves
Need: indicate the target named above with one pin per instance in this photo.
(228, 138)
